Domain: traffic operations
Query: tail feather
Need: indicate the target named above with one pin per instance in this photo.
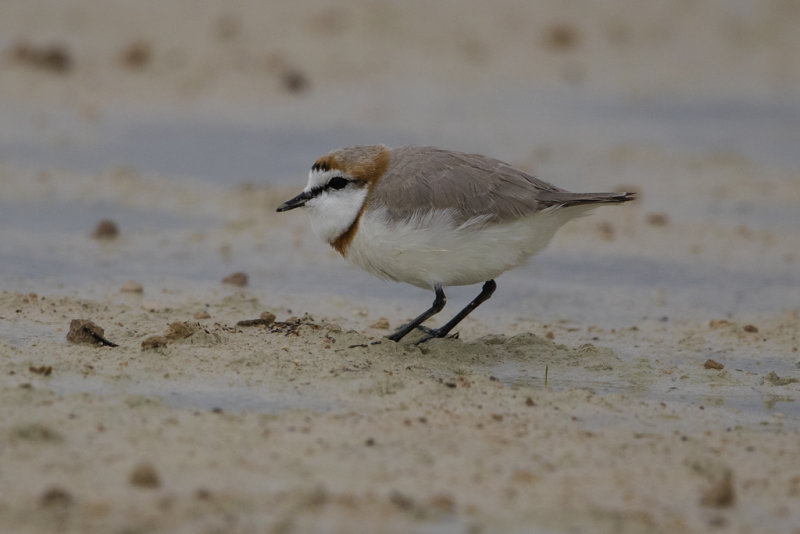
(566, 199)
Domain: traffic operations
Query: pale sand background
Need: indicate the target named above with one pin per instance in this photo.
(306, 429)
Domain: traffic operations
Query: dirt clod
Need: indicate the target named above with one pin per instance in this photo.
(131, 286)
(776, 380)
(382, 324)
(238, 279)
(294, 81)
(561, 37)
(718, 323)
(178, 330)
(55, 496)
(154, 342)
(84, 331)
(144, 475)
(106, 229)
(45, 370)
(750, 329)
(657, 219)
(711, 364)
(136, 55)
(53, 57)
(721, 494)
(266, 319)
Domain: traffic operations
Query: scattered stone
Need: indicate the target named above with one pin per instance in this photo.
(37, 432)
(106, 229)
(131, 286)
(561, 37)
(721, 494)
(442, 503)
(523, 476)
(227, 27)
(657, 219)
(294, 81)
(203, 494)
(53, 58)
(84, 331)
(382, 324)
(749, 328)
(266, 319)
(154, 342)
(550, 335)
(55, 496)
(45, 370)
(202, 315)
(606, 230)
(711, 364)
(144, 475)
(718, 323)
(237, 279)
(178, 330)
(776, 380)
(153, 305)
(401, 501)
(136, 55)
(529, 402)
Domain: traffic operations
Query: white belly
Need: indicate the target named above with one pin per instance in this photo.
(430, 249)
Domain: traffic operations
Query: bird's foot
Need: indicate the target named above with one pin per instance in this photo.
(435, 333)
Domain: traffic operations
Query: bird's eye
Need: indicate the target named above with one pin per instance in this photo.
(337, 182)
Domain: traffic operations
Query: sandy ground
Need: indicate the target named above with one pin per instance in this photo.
(642, 375)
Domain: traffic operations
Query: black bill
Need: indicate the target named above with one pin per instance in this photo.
(297, 202)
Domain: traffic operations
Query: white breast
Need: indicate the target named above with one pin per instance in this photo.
(430, 249)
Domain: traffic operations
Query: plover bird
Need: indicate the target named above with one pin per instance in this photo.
(435, 218)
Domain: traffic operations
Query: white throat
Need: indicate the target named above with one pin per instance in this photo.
(333, 211)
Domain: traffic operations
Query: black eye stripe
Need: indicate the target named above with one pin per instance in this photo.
(337, 182)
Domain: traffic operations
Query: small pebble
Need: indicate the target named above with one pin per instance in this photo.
(202, 315)
(382, 324)
(154, 342)
(750, 328)
(55, 496)
(561, 37)
(144, 475)
(106, 229)
(711, 364)
(294, 81)
(237, 279)
(718, 323)
(131, 286)
(84, 331)
(136, 55)
(657, 219)
(44, 370)
(153, 305)
(54, 58)
(178, 330)
(721, 494)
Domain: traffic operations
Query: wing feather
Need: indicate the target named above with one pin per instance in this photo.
(419, 179)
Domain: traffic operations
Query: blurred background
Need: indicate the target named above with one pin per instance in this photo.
(186, 122)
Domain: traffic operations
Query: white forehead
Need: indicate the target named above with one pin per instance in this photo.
(317, 178)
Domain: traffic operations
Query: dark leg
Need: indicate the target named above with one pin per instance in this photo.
(488, 288)
(437, 306)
